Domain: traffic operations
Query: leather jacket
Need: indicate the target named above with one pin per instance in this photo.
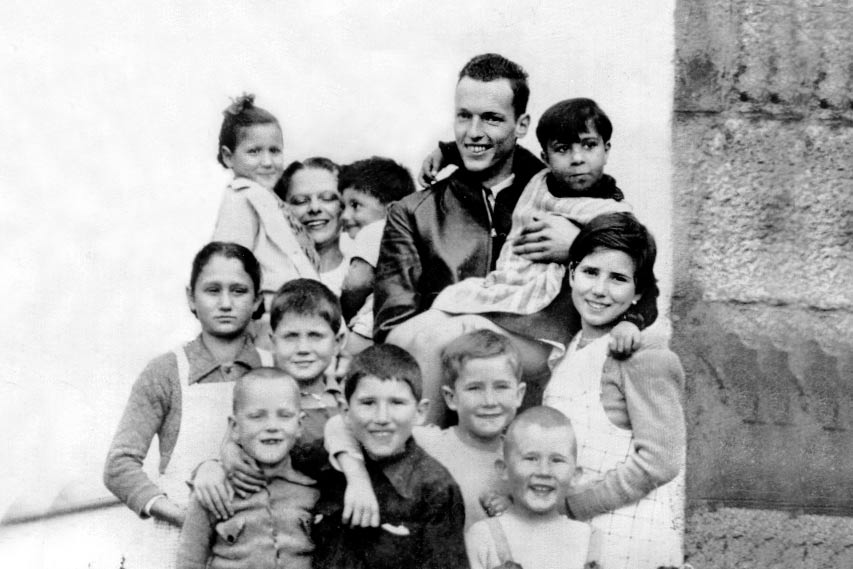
(440, 236)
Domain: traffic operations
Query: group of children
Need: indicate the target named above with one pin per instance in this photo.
(328, 465)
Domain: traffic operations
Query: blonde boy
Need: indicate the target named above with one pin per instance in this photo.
(482, 385)
(539, 467)
(271, 526)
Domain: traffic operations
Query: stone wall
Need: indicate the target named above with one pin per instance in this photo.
(763, 292)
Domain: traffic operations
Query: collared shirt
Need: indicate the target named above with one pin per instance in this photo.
(319, 408)
(154, 408)
(423, 519)
(270, 529)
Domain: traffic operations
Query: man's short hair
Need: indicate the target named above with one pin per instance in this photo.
(491, 67)
(385, 362)
(382, 178)
(479, 344)
(306, 297)
(541, 416)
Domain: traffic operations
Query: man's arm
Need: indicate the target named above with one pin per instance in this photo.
(398, 271)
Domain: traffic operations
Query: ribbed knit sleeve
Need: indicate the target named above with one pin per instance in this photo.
(652, 383)
(152, 408)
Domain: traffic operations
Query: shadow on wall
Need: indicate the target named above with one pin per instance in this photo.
(769, 409)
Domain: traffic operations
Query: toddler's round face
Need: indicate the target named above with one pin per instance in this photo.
(540, 466)
(360, 209)
(258, 155)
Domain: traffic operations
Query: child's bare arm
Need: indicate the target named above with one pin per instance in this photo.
(360, 505)
(357, 286)
(625, 339)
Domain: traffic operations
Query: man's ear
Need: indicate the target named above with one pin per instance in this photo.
(521, 125)
(227, 155)
(423, 408)
(449, 397)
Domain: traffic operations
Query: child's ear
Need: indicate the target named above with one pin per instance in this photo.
(449, 397)
(227, 155)
(232, 429)
(190, 300)
(500, 468)
(341, 340)
(522, 389)
(576, 476)
(544, 156)
(423, 408)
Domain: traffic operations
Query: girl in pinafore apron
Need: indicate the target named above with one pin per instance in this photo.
(627, 414)
(184, 398)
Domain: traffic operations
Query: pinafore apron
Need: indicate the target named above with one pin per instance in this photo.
(205, 408)
(642, 535)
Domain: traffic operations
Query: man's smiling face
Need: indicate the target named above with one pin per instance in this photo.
(486, 127)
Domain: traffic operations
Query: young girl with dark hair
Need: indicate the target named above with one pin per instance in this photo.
(182, 396)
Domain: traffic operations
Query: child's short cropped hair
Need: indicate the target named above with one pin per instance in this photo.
(306, 297)
(476, 345)
(257, 374)
(382, 178)
(385, 362)
(567, 120)
(543, 417)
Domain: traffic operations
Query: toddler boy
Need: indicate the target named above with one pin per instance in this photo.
(269, 528)
(367, 188)
(539, 467)
(482, 374)
(421, 506)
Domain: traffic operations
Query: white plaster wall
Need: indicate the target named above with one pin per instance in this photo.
(109, 112)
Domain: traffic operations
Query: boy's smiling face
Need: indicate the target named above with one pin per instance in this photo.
(486, 396)
(580, 164)
(539, 466)
(304, 346)
(360, 209)
(381, 414)
(266, 421)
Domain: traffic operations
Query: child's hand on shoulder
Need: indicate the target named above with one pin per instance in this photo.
(494, 503)
(212, 489)
(624, 339)
(360, 506)
(243, 472)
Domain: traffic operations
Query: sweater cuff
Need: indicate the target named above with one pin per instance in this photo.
(146, 509)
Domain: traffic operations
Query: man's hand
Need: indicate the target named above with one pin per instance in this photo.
(546, 240)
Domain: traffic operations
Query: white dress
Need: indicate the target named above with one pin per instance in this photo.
(642, 535)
